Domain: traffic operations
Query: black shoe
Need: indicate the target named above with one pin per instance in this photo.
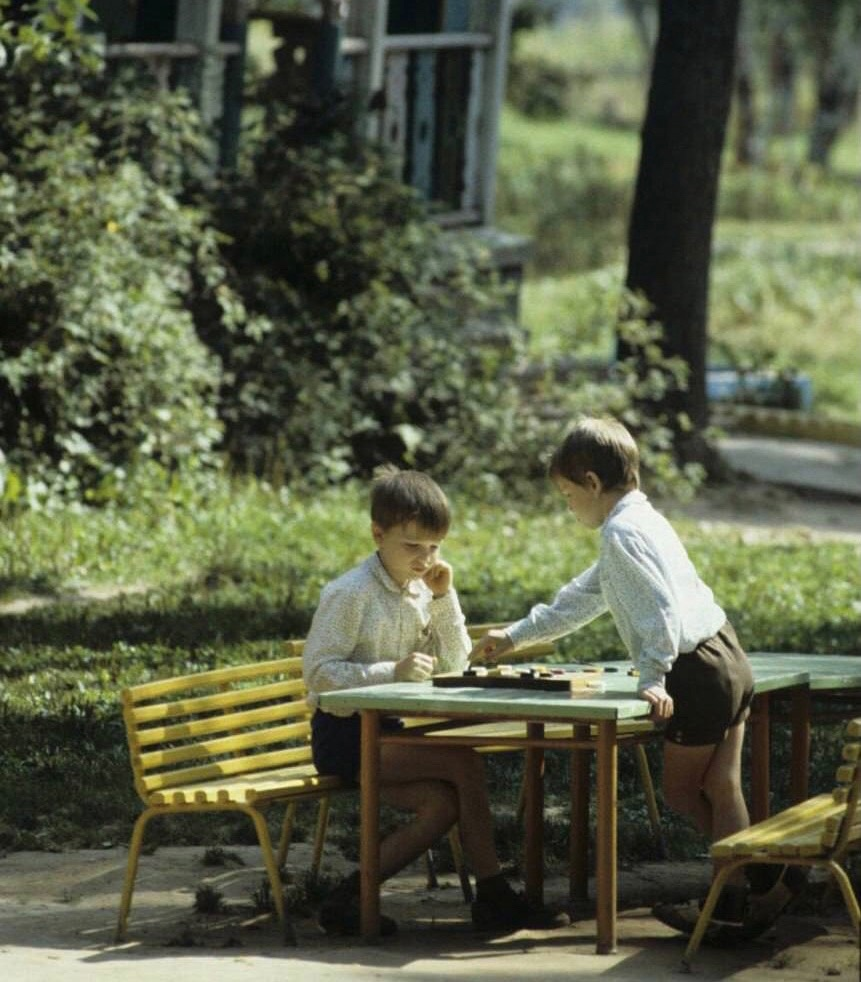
(765, 908)
(680, 917)
(731, 909)
(727, 920)
(512, 912)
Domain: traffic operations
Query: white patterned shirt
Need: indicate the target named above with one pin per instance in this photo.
(365, 623)
(644, 577)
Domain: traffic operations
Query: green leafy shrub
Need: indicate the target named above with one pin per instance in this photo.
(358, 346)
(538, 88)
(101, 370)
(574, 207)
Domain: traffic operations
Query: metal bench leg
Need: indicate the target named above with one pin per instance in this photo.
(459, 864)
(274, 876)
(131, 872)
(705, 917)
(286, 834)
(320, 836)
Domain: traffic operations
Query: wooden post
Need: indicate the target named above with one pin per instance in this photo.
(494, 17)
(534, 816)
(369, 836)
(578, 846)
(606, 765)
(235, 29)
(368, 20)
(199, 22)
(800, 721)
(760, 749)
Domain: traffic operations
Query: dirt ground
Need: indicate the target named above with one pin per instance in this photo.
(58, 911)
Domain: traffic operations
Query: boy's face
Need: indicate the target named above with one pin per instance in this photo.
(584, 500)
(407, 551)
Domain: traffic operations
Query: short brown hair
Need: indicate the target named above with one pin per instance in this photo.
(398, 497)
(603, 446)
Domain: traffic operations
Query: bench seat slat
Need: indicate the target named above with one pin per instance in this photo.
(291, 781)
(791, 829)
(249, 764)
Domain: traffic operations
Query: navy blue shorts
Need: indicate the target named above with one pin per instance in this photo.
(336, 743)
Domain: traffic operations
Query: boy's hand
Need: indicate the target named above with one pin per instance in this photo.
(661, 701)
(492, 646)
(438, 578)
(415, 667)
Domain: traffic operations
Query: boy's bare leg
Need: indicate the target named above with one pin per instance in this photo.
(434, 807)
(705, 784)
(462, 770)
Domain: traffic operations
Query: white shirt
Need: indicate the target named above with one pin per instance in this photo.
(644, 577)
(365, 623)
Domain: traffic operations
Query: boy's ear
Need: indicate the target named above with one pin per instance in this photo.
(593, 483)
(376, 532)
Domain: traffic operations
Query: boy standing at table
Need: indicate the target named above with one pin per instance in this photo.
(691, 667)
(396, 618)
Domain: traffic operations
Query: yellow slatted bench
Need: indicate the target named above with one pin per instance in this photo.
(818, 832)
(230, 739)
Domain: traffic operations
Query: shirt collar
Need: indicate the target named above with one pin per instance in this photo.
(635, 497)
(382, 574)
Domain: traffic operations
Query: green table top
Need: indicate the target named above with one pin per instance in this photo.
(772, 671)
(823, 672)
(617, 701)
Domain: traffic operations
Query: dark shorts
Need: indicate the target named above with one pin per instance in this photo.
(336, 743)
(711, 688)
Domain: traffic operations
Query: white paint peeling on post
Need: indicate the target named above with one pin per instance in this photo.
(200, 24)
(477, 112)
(395, 112)
(493, 16)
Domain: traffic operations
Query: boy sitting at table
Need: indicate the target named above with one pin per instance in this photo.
(396, 618)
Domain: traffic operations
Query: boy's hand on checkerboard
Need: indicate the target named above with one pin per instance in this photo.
(416, 667)
(492, 646)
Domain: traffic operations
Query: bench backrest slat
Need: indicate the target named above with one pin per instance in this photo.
(229, 767)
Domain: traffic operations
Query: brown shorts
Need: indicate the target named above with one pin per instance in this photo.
(711, 688)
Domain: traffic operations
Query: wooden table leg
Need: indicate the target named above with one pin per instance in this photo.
(760, 757)
(533, 819)
(606, 765)
(800, 719)
(578, 844)
(369, 841)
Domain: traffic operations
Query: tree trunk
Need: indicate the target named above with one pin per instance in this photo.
(670, 232)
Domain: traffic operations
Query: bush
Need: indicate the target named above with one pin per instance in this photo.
(358, 346)
(574, 207)
(101, 369)
(538, 88)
